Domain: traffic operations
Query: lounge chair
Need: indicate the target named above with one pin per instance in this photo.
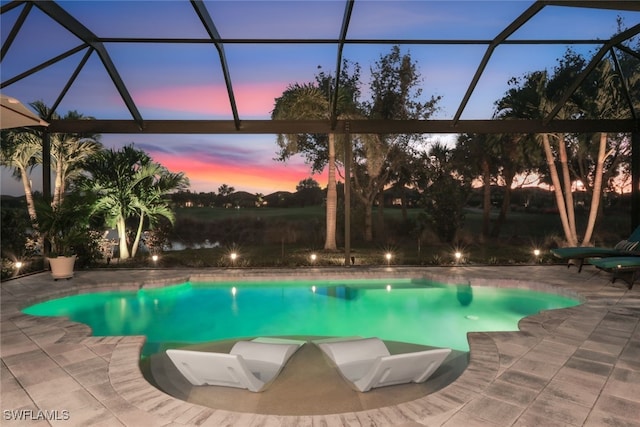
(250, 364)
(630, 246)
(627, 268)
(366, 363)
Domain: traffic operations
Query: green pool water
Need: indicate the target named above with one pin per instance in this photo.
(413, 311)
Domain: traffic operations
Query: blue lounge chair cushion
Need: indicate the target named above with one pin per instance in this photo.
(625, 247)
(620, 267)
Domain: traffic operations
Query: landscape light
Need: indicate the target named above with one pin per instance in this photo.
(536, 252)
(233, 256)
(18, 265)
(458, 255)
(388, 257)
(313, 257)
(154, 258)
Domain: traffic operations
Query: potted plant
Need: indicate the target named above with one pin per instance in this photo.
(65, 228)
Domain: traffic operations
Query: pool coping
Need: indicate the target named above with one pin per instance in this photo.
(126, 397)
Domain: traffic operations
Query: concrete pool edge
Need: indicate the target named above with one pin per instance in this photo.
(491, 354)
(328, 273)
(268, 275)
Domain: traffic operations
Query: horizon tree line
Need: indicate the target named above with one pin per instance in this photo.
(443, 174)
(381, 161)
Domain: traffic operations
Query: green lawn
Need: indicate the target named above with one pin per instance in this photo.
(519, 224)
(286, 237)
(281, 237)
(216, 213)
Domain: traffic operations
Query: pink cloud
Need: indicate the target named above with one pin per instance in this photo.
(252, 99)
(207, 176)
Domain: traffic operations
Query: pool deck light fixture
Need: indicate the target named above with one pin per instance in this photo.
(388, 257)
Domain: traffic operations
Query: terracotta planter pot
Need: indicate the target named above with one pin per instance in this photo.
(62, 267)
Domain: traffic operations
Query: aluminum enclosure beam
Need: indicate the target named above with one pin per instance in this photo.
(207, 21)
(333, 116)
(355, 126)
(62, 17)
(510, 29)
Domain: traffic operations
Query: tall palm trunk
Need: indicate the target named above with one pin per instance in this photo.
(122, 235)
(557, 189)
(58, 187)
(28, 195)
(18, 155)
(136, 241)
(568, 193)
(597, 189)
(332, 197)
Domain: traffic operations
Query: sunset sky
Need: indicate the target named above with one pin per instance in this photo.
(177, 81)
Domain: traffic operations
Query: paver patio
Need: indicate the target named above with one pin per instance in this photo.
(571, 367)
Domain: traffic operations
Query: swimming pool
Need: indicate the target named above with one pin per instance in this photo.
(408, 310)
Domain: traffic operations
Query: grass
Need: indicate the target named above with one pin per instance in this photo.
(216, 213)
(299, 255)
(266, 245)
(286, 237)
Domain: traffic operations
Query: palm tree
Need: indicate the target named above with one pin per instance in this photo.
(599, 164)
(68, 150)
(533, 99)
(67, 157)
(312, 101)
(21, 151)
(224, 192)
(150, 200)
(308, 101)
(129, 185)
